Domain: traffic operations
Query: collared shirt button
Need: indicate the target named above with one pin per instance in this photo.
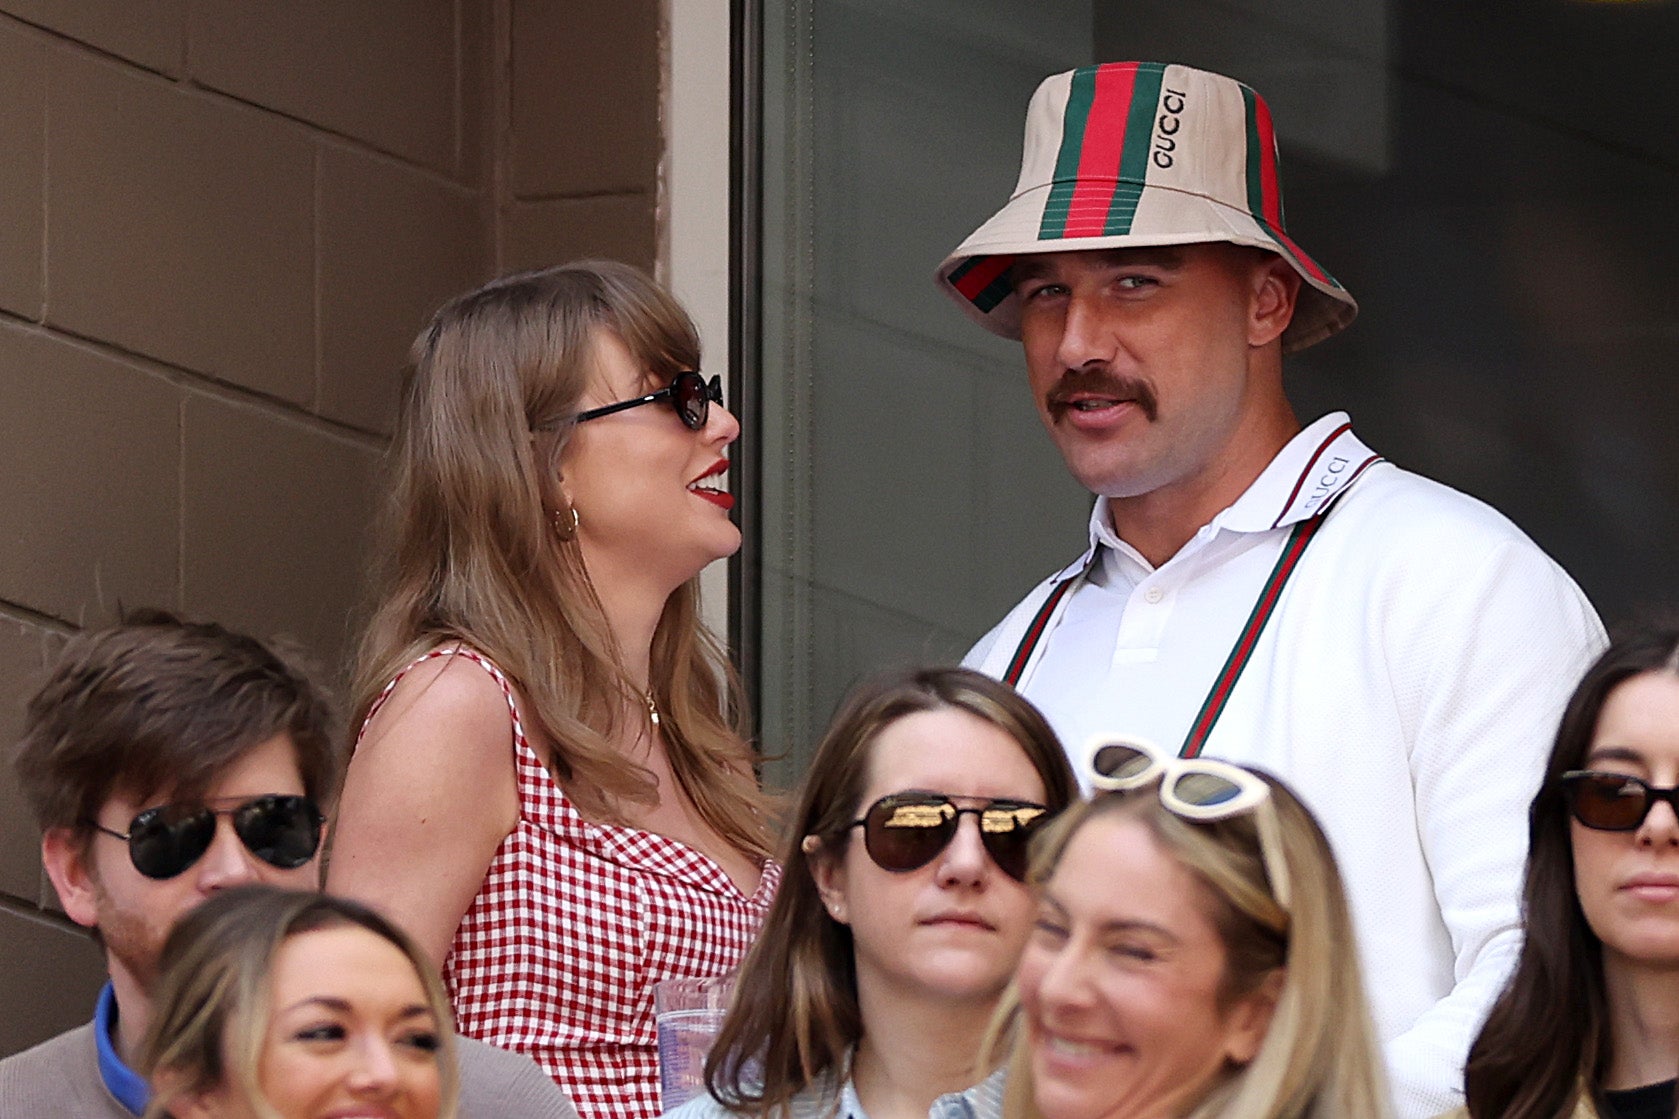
(1153, 595)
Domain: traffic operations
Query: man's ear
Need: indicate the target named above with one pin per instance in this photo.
(829, 877)
(1276, 292)
(67, 857)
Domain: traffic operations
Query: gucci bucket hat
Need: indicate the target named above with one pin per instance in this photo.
(1131, 154)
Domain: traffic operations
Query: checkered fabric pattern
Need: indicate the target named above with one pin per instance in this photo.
(575, 922)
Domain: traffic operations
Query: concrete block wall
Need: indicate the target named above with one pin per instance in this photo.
(221, 224)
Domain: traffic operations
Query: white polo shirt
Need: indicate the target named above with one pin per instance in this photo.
(1407, 686)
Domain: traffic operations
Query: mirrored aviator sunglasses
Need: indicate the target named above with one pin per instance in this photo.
(1200, 789)
(906, 831)
(283, 831)
(1606, 801)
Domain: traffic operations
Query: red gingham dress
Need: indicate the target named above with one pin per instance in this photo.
(557, 955)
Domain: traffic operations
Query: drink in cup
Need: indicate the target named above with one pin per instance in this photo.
(688, 1013)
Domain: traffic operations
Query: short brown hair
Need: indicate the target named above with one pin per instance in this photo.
(157, 703)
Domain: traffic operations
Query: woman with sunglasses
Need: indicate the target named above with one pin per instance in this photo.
(903, 909)
(1192, 955)
(1589, 1023)
(288, 1005)
(552, 790)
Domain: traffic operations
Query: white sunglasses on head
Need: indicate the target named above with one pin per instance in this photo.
(1198, 789)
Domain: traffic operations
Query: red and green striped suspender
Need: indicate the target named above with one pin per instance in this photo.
(1240, 653)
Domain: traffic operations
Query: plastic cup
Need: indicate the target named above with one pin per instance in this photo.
(688, 1013)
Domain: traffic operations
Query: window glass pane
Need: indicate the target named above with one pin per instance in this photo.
(900, 445)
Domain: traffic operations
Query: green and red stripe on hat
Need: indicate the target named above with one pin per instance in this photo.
(1134, 154)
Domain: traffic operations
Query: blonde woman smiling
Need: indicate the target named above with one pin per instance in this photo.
(1192, 955)
(282, 1005)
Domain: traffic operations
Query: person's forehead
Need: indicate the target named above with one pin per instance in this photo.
(1085, 261)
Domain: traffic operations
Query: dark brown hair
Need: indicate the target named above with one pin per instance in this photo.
(160, 705)
(1548, 1033)
(798, 1016)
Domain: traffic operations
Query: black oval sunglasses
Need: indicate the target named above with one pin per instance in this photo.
(688, 392)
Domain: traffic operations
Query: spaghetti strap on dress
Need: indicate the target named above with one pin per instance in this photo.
(574, 923)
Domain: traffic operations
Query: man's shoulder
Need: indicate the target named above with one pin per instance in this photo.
(1403, 515)
(497, 1082)
(1392, 492)
(70, 1048)
(1422, 554)
(57, 1079)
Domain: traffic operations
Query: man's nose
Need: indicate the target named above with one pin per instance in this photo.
(228, 862)
(1085, 338)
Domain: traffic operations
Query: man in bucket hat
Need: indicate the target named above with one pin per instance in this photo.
(1274, 595)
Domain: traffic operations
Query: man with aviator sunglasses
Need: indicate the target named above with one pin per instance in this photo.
(166, 761)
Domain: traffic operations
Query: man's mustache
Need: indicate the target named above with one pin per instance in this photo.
(1100, 382)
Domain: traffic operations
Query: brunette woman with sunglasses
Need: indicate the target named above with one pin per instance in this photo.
(902, 912)
(552, 790)
(1589, 1023)
(1192, 955)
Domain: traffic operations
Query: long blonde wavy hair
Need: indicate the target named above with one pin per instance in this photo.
(473, 556)
(1319, 1059)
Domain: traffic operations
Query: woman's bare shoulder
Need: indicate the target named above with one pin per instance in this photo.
(444, 702)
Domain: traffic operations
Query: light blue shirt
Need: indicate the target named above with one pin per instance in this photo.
(983, 1101)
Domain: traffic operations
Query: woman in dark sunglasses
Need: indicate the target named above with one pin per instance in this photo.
(1589, 1023)
(902, 912)
(1192, 955)
(552, 790)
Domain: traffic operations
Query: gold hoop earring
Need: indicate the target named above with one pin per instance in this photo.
(563, 530)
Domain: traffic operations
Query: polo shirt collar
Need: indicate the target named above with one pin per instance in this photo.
(1305, 478)
(124, 1084)
(1308, 474)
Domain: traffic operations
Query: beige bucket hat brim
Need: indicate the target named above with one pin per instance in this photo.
(1139, 154)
